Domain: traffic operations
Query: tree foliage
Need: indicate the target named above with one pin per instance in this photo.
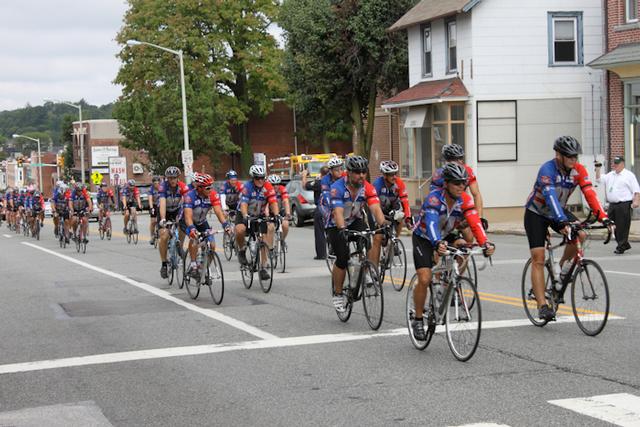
(340, 57)
(220, 40)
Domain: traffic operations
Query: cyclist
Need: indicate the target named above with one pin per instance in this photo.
(256, 195)
(60, 207)
(393, 196)
(455, 153)
(284, 206)
(8, 206)
(545, 208)
(196, 205)
(349, 195)
(20, 205)
(154, 202)
(441, 213)
(130, 195)
(79, 205)
(27, 208)
(106, 199)
(336, 171)
(170, 196)
(37, 208)
(232, 189)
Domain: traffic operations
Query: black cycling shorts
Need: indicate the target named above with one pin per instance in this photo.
(537, 225)
(339, 243)
(154, 211)
(423, 251)
(172, 216)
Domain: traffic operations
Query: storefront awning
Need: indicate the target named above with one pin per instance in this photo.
(623, 60)
(431, 92)
(416, 117)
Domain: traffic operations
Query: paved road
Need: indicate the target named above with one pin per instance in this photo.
(99, 339)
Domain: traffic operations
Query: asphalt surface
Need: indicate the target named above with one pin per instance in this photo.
(100, 339)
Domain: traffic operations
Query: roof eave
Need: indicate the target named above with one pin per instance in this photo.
(424, 101)
(466, 8)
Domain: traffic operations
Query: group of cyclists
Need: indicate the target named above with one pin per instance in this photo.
(451, 213)
(21, 208)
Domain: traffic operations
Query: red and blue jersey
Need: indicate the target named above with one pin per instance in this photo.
(79, 199)
(172, 196)
(436, 220)
(554, 186)
(155, 194)
(392, 197)
(437, 180)
(104, 197)
(352, 203)
(257, 198)
(232, 193)
(130, 194)
(200, 205)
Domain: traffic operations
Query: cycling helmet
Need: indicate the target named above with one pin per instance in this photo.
(36, 194)
(452, 152)
(82, 186)
(103, 184)
(567, 146)
(335, 162)
(357, 164)
(274, 179)
(131, 182)
(232, 174)
(454, 172)
(172, 172)
(202, 180)
(389, 166)
(257, 171)
(64, 187)
(155, 179)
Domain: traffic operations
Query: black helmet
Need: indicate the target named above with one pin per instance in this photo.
(454, 172)
(567, 146)
(357, 164)
(155, 179)
(452, 152)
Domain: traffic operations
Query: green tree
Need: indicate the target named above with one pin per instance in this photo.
(66, 138)
(347, 58)
(218, 38)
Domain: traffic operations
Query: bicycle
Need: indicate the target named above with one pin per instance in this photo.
(210, 270)
(80, 238)
(104, 227)
(35, 227)
(588, 283)
(452, 300)
(362, 281)
(62, 235)
(331, 257)
(279, 249)
(156, 235)
(393, 257)
(258, 255)
(132, 229)
(229, 238)
(175, 253)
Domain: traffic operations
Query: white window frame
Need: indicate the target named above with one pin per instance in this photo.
(628, 5)
(480, 141)
(447, 38)
(425, 72)
(576, 52)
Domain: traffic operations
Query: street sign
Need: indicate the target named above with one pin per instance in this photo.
(96, 177)
(187, 157)
(117, 170)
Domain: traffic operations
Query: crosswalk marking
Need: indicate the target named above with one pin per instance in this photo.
(621, 409)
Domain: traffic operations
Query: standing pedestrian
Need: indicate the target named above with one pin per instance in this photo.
(318, 220)
(622, 191)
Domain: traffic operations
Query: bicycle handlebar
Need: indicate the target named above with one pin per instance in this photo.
(468, 250)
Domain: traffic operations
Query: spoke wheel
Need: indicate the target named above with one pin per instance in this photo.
(282, 256)
(398, 265)
(410, 313)
(101, 229)
(227, 245)
(181, 270)
(192, 284)
(331, 258)
(129, 235)
(529, 299)
(267, 265)
(215, 279)
(372, 295)
(590, 298)
(135, 238)
(463, 322)
(246, 271)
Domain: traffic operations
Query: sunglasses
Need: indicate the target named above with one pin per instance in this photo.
(458, 182)
(259, 178)
(208, 188)
(359, 171)
(575, 157)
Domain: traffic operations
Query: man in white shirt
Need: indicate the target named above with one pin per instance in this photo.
(623, 194)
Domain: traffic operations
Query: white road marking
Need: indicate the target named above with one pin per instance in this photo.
(484, 425)
(621, 409)
(624, 273)
(159, 353)
(238, 324)
(7, 236)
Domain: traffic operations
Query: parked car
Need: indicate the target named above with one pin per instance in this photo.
(302, 203)
(47, 208)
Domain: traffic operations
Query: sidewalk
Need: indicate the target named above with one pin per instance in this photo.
(517, 228)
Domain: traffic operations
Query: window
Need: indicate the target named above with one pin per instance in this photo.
(565, 39)
(452, 41)
(631, 10)
(426, 51)
(497, 131)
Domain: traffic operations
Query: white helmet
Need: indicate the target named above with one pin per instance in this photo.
(274, 179)
(388, 166)
(335, 162)
(257, 171)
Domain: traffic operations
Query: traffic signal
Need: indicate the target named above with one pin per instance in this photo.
(20, 161)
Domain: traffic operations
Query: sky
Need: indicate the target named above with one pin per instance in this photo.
(59, 50)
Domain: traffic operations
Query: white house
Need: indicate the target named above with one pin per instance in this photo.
(503, 78)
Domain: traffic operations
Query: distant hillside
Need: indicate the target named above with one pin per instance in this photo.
(46, 119)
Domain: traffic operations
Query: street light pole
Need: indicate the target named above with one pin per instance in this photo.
(185, 124)
(80, 135)
(15, 135)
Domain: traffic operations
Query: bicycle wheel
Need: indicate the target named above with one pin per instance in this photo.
(410, 314)
(38, 230)
(266, 265)
(108, 226)
(372, 295)
(227, 246)
(191, 283)
(246, 271)
(215, 278)
(529, 299)
(463, 322)
(181, 270)
(590, 297)
(77, 240)
(101, 230)
(129, 235)
(276, 249)
(282, 257)
(135, 237)
(330, 257)
(398, 265)
(472, 270)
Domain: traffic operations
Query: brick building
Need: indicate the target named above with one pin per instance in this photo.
(622, 62)
(49, 173)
